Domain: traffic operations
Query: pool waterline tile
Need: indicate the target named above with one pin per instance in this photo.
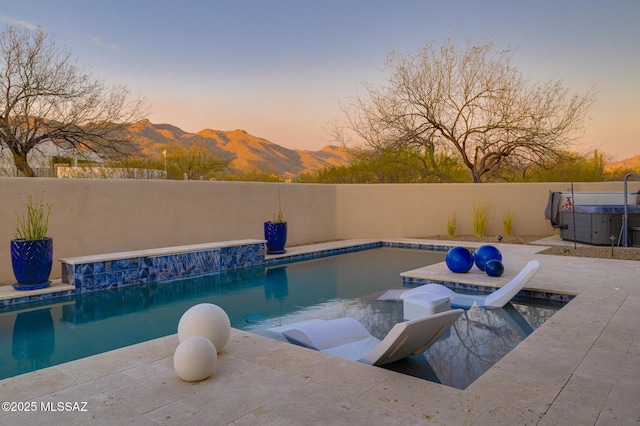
(98, 273)
(462, 287)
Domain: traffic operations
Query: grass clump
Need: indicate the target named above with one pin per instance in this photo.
(480, 219)
(35, 224)
(507, 223)
(278, 216)
(452, 224)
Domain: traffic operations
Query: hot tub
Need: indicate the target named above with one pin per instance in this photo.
(595, 224)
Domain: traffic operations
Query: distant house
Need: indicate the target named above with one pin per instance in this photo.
(51, 160)
(44, 158)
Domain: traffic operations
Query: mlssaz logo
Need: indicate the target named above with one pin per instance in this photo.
(63, 406)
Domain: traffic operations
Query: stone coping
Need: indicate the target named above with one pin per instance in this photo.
(7, 292)
(438, 272)
(58, 288)
(579, 367)
(163, 251)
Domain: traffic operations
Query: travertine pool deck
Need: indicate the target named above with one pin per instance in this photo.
(582, 367)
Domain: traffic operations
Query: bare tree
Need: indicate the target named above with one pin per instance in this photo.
(471, 104)
(45, 97)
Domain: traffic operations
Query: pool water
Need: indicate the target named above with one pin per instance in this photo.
(258, 298)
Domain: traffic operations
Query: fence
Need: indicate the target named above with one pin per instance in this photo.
(94, 216)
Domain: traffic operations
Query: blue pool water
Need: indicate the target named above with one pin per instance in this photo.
(258, 298)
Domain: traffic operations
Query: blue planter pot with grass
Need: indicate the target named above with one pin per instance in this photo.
(31, 261)
(276, 235)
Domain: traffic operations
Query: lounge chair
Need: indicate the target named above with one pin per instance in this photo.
(496, 299)
(348, 338)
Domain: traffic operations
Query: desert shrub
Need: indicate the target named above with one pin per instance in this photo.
(480, 219)
(507, 223)
(452, 224)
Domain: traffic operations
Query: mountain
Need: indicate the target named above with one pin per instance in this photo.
(245, 152)
(632, 163)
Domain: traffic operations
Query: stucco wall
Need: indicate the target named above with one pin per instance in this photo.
(102, 216)
(410, 210)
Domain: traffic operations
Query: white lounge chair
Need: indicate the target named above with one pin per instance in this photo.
(496, 299)
(348, 338)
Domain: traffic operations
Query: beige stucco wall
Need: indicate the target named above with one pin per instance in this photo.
(102, 216)
(411, 210)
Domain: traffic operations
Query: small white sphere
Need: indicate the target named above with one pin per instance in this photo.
(206, 320)
(195, 359)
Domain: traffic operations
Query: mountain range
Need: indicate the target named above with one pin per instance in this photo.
(632, 163)
(245, 152)
(248, 153)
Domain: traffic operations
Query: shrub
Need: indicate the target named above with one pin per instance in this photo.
(480, 219)
(507, 222)
(278, 216)
(35, 224)
(452, 224)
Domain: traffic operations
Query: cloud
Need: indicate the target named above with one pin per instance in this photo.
(97, 41)
(18, 22)
(94, 40)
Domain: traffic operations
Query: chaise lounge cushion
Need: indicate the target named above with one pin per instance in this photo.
(347, 338)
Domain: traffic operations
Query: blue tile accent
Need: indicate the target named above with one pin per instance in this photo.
(35, 299)
(140, 271)
(481, 289)
(322, 253)
(98, 267)
(117, 273)
(359, 247)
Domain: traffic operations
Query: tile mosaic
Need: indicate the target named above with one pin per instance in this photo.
(96, 273)
(104, 274)
(34, 299)
(413, 282)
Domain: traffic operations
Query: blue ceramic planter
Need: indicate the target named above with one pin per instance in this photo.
(32, 260)
(276, 235)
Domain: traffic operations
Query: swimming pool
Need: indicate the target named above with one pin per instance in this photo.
(255, 298)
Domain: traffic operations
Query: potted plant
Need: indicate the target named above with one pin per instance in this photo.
(32, 250)
(275, 231)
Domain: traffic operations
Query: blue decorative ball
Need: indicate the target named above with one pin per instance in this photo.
(459, 259)
(483, 254)
(494, 268)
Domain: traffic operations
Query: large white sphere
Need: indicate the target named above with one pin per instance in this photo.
(206, 320)
(195, 359)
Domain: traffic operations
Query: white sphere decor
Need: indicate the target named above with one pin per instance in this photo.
(195, 359)
(206, 320)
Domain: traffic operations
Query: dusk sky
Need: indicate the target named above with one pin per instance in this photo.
(279, 69)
